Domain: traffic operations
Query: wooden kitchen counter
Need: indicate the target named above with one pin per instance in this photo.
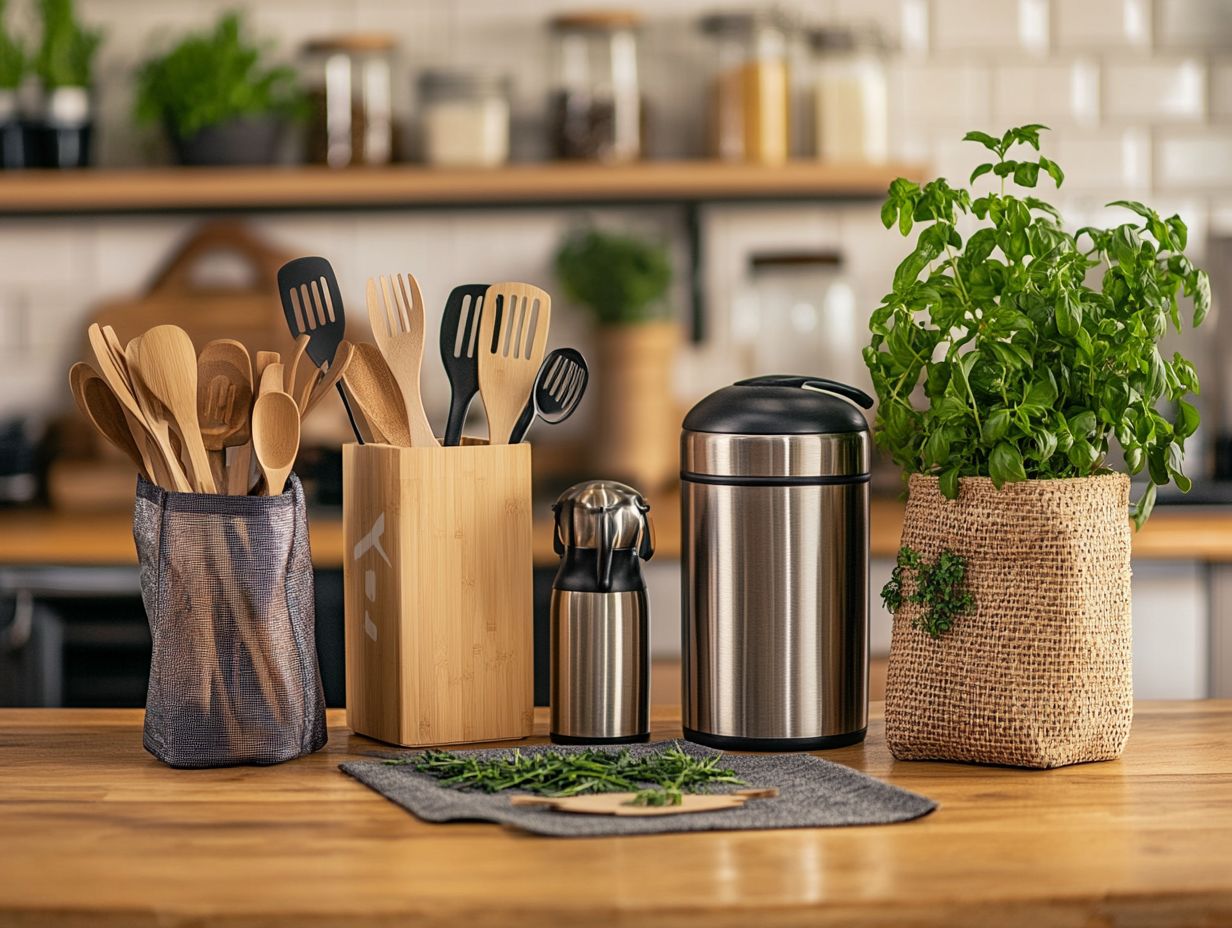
(36, 537)
(94, 831)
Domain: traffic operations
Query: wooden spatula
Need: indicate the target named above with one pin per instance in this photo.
(224, 404)
(275, 438)
(166, 363)
(619, 803)
(322, 385)
(513, 334)
(369, 382)
(395, 310)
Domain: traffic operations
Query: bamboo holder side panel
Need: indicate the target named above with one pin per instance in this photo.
(467, 591)
(373, 553)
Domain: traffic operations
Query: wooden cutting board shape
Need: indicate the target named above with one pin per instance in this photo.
(619, 803)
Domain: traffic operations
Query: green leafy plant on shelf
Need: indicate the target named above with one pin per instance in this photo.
(939, 591)
(1027, 370)
(65, 56)
(12, 57)
(621, 278)
(212, 78)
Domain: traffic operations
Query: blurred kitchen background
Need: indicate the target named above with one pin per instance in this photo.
(765, 213)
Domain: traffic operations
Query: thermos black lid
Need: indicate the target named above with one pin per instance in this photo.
(781, 404)
(780, 429)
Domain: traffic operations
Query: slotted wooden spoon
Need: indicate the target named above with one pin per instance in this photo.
(513, 333)
(224, 403)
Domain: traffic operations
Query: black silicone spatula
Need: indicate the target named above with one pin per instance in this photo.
(312, 303)
(559, 387)
(459, 347)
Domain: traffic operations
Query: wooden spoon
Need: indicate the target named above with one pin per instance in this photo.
(101, 408)
(224, 403)
(621, 804)
(272, 379)
(166, 362)
(376, 394)
(275, 438)
(164, 466)
(342, 361)
(292, 369)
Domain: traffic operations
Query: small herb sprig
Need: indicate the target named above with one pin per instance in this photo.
(938, 589)
(670, 773)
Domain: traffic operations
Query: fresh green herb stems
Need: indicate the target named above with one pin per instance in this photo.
(670, 773)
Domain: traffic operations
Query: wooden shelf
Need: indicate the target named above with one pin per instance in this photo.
(108, 191)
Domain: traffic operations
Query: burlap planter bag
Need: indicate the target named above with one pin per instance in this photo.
(1037, 672)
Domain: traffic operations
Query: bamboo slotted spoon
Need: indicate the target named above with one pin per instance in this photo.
(513, 333)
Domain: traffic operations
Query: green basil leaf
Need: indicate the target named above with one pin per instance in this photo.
(980, 171)
(1069, 315)
(984, 139)
(949, 483)
(995, 425)
(1026, 174)
(889, 212)
(1187, 419)
(1005, 465)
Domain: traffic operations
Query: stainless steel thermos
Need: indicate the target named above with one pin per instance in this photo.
(774, 497)
(600, 652)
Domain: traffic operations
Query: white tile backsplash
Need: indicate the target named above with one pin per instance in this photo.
(1099, 24)
(990, 25)
(1116, 162)
(1195, 162)
(1057, 94)
(1162, 90)
(1194, 24)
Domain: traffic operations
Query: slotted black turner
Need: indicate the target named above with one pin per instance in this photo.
(312, 303)
(459, 340)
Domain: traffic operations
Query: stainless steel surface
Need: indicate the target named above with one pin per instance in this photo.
(775, 596)
(587, 510)
(600, 664)
(724, 455)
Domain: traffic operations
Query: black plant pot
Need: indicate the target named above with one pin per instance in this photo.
(237, 142)
(63, 138)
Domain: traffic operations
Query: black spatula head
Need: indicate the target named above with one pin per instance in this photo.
(312, 304)
(459, 345)
(559, 387)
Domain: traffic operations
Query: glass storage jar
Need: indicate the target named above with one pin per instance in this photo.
(596, 109)
(798, 312)
(465, 118)
(750, 95)
(350, 93)
(850, 98)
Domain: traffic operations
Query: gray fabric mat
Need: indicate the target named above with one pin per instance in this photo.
(814, 793)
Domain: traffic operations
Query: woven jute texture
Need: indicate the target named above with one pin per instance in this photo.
(1037, 672)
(228, 590)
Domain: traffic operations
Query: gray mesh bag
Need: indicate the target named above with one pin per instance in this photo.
(228, 590)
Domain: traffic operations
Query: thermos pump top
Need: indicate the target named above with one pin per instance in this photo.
(600, 656)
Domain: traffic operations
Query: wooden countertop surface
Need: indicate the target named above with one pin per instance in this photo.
(36, 537)
(96, 832)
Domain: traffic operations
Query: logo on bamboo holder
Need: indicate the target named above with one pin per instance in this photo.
(371, 542)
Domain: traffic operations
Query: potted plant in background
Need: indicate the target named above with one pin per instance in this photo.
(622, 280)
(13, 152)
(1033, 348)
(216, 99)
(64, 64)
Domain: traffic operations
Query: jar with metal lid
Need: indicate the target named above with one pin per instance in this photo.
(749, 113)
(596, 110)
(350, 95)
(465, 118)
(774, 497)
(850, 97)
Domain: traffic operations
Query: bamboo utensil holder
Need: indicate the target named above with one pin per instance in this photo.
(438, 592)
